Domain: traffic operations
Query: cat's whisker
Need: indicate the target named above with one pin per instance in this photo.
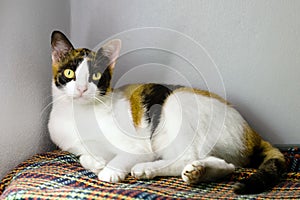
(99, 100)
(49, 104)
(49, 96)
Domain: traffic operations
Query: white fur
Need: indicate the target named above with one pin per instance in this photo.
(194, 127)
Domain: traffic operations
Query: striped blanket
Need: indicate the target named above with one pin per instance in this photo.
(58, 175)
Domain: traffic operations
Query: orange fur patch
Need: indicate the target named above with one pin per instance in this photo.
(203, 93)
(71, 55)
(254, 142)
(134, 95)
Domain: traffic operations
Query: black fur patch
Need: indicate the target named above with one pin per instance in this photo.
(154, 96)
(60, 79)
(256, 158)
(104, 82)
(101, 61)
(101, 64)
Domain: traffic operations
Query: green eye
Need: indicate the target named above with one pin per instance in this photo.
(69, 73)
(96, 76)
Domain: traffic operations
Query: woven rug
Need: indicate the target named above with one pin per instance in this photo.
(58, 175)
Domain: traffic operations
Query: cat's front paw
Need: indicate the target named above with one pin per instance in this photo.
(142, 171)
(92, 163)
(111, 175)
(193, 173)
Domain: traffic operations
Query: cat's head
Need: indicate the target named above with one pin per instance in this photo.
(81, 74)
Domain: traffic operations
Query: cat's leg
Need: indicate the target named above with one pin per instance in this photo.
(119, 167)
(150, 170)
(207, 169)
(92, 163)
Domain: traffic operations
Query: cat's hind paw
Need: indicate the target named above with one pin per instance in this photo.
(142, 171)
(91, 163)
(111, 175)
(192, 173)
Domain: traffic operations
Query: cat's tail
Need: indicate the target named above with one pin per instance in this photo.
(271, 165)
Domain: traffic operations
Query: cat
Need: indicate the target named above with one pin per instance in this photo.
(150, 129)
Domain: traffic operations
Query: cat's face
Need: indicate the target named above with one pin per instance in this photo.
(81, 74)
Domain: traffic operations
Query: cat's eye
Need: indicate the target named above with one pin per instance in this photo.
(96, 76)
(69, 73)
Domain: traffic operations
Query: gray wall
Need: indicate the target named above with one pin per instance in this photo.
(255, 45)
(25, 77)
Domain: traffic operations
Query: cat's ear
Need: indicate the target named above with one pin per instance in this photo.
(60, 46)
(110, 51)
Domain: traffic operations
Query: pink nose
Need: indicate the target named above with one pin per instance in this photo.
(82, 89)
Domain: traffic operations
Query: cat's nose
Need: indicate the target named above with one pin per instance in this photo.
(82, 89)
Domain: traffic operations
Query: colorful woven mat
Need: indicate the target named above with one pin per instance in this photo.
(58, 175)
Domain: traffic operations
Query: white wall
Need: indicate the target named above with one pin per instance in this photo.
(25, 63)
(255, 44)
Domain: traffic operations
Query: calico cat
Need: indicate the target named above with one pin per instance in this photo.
(150, 129)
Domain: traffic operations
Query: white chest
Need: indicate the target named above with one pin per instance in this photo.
(81, 128)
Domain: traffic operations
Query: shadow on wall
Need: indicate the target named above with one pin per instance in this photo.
(25, 79)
